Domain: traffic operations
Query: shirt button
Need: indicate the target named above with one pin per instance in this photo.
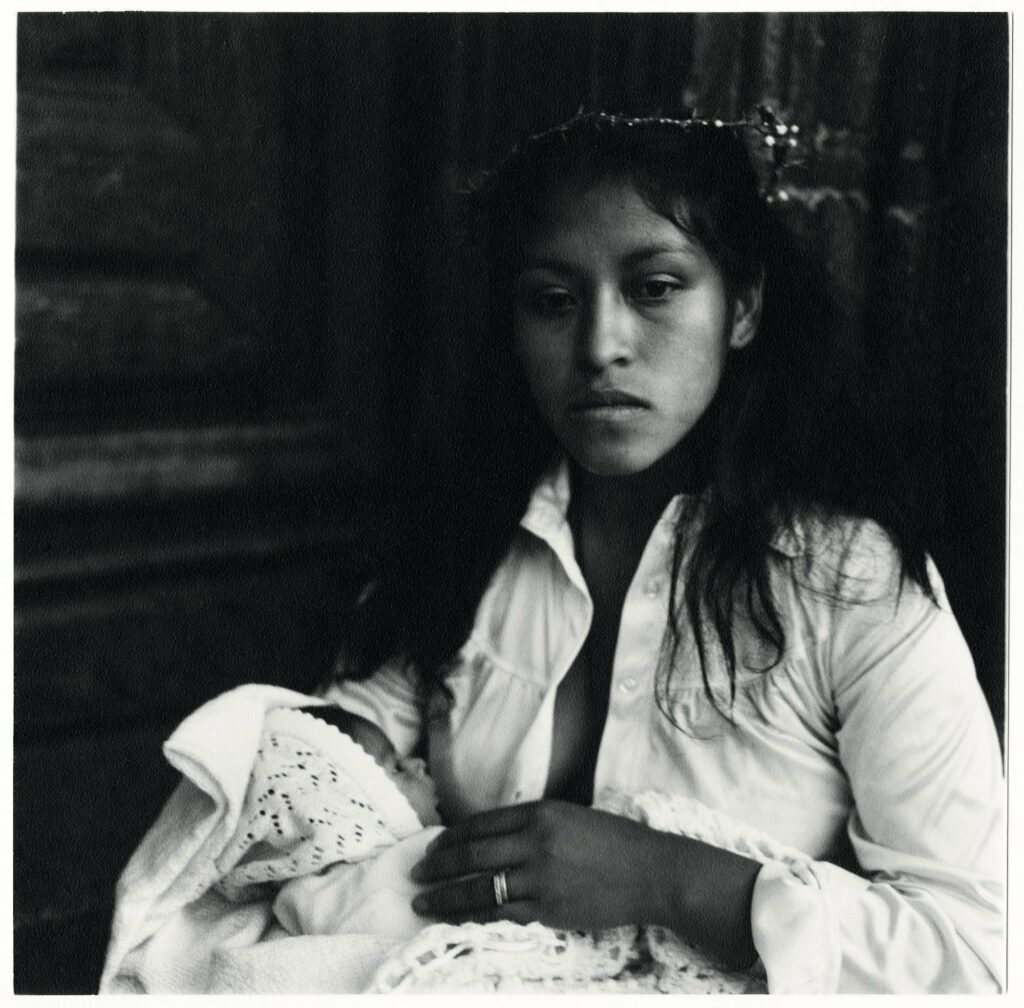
(653, 588)
(627, 685)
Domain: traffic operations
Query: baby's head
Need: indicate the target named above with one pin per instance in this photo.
(409, 775)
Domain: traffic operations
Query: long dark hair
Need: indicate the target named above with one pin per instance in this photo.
(787, 436)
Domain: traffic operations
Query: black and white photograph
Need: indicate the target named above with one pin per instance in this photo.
(510, 502)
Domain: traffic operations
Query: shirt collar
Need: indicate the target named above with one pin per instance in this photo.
(546, 515)
(549, 504)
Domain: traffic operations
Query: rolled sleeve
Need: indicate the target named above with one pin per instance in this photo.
(389, 698)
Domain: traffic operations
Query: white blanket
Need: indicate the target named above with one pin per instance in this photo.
(179, 928)
(226, 889)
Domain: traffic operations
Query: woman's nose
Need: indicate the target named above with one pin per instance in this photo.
(607, 334)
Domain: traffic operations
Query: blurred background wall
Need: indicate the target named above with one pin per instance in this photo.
(235, 249)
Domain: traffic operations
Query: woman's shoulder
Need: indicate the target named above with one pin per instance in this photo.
(848, 596)
(848, 558)
(812, 531)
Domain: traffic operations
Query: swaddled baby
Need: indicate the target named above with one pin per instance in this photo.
(282, 863)
(330, 832)
(327, 838)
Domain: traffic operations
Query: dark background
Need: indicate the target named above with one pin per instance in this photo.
(234, 255)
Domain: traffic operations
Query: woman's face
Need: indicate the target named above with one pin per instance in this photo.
(622, 324)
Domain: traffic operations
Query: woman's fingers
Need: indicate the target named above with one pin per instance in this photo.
(466, 859)
(564, 865)
(474, 898)
(496, 822)
(486, 842)
(471, 857)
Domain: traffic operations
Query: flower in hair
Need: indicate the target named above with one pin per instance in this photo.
(770, 142)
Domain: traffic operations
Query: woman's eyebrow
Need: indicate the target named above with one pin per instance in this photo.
(680, 247)
(630, 259)
(545, 262)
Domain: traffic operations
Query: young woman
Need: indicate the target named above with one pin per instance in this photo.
(666, 558)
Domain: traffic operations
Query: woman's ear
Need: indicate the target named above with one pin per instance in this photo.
(746, 314)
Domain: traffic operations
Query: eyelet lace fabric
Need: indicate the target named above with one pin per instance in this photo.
(505, 957)
(315, 798)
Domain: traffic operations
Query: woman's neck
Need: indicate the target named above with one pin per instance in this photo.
(628, 506)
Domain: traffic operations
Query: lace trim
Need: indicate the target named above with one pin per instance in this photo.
(480, 954)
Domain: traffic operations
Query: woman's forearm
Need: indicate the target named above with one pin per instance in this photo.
(703, 894)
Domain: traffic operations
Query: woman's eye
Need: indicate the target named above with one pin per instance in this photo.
(552, 301)
(653, 290)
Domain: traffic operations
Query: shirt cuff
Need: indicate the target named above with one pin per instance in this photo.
(794, 930)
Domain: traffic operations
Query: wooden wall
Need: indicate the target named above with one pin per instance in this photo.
(187, 503)
(235, 240)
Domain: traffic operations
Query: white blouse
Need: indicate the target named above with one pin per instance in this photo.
(869, 746)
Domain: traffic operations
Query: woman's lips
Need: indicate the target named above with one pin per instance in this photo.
(607, 404)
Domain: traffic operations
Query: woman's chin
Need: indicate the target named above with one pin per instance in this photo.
(612, 461)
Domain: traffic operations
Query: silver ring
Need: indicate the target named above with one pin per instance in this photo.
(500, 889)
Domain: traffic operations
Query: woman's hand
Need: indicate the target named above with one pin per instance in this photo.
(574, 867)
(565, 866)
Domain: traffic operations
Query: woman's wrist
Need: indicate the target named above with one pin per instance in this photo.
(703, 894)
